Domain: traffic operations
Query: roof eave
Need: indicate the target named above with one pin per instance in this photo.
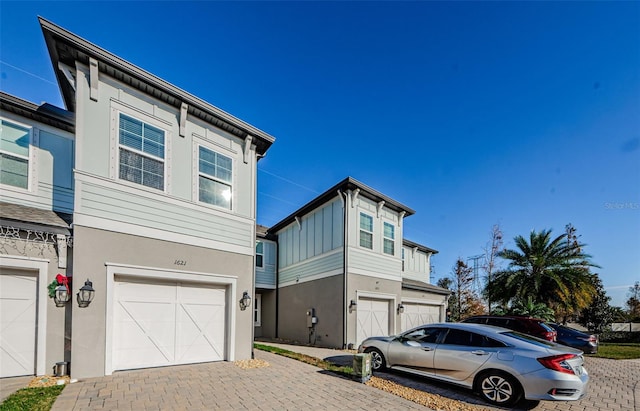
(55, 36)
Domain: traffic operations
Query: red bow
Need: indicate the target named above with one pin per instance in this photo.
(63, 280)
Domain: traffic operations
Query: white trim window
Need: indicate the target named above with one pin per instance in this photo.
(215, 178)
(366, 231)
(141, 152)
(389, 239)
(257, 311)
(15, 145)
(259, 254)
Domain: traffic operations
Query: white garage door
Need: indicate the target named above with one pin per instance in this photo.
(419, 314)
(158, 324)
(373, 318)
(17, 323)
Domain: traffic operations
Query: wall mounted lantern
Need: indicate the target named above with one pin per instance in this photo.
(352, 305)
(400, 308)
(245, 301)
(85, 295)
(61, 295)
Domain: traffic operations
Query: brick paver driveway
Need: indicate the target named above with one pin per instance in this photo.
(611, 388)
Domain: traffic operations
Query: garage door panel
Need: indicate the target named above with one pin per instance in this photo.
(419, 314)
(158, 324)
(17, 325)
(372, 318)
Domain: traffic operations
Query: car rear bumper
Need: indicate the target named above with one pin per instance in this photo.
(555, 386)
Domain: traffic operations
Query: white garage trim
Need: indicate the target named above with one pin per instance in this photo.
(41, 266)
(114, 269)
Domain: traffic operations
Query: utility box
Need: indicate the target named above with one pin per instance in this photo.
(61, 369)
(362, 367)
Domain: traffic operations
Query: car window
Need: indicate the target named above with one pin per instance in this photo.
(531, 339)
(470, 339)
(475, 320)
(426, 334)
(546, 326)
(499, 322)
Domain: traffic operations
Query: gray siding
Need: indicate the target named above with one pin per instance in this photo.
(266, 275)
(50, 171)
(416, 265)
(104, 197)
(327, 264)
(319, 233)
(108, 201)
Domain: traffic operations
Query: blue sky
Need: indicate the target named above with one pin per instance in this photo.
(522, 114)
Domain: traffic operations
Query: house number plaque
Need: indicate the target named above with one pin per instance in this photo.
(180, 262)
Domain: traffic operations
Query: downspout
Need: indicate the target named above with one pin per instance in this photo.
(277, 285)
(345, 229)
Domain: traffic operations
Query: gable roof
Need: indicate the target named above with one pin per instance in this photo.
(348, 183)
(67, 48)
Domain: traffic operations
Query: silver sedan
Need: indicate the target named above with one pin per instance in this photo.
(501, 365)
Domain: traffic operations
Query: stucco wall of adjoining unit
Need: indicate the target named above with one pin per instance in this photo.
(94, 248)
(267, 326)
(361, 285)
(326, 297)
(28, 258)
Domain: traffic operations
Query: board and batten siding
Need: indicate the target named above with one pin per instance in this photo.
(319, 232)
(416, 265)
(51, 157)
(176, 209)
(266, 275)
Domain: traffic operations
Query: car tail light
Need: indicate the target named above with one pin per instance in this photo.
(550, 335)
(591, 339)
(558, 363)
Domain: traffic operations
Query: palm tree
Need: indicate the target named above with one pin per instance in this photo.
(553, 272)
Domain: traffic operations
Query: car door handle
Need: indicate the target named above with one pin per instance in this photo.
(427, 349)
(479, 352)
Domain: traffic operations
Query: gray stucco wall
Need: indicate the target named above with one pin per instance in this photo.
(267, 328)
(93, 248)
(325, 296)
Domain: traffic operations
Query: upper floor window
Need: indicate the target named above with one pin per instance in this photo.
(403, 259)
(142, 148)
(366, 231)
(389, 239)
(259, 253)
(14, 155)
(215, 178)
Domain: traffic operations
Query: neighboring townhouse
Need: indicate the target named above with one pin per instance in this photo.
(36, 206)
(160, 188)
(344, 272)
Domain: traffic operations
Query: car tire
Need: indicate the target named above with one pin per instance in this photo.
(499, 388)
(378, 363)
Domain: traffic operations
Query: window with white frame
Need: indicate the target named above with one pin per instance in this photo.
(257, 311)
(389, 239)
(15, 142)
(142, 152)
(403, 259)
(215, 178)
(366, 231)
(259, 254)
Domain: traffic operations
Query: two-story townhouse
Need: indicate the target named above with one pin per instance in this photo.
(36, 205)
(340, 276)
(164, 213)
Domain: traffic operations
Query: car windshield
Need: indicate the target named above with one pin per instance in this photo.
(546, 326)
(530, 339)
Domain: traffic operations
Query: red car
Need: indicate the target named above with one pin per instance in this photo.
(527, 325)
